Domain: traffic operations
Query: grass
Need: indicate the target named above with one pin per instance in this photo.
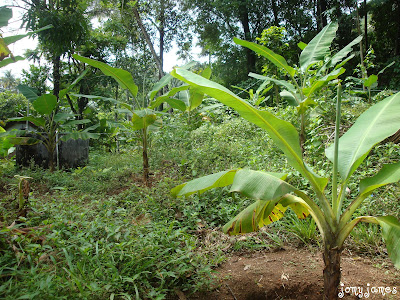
(99, 233)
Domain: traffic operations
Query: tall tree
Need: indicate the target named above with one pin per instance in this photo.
(70, 27)
(8, 81)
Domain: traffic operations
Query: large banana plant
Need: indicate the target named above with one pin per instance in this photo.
(48, 121)
(273, 196)
(317, 68)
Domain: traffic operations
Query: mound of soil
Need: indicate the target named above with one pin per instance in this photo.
(297, 274)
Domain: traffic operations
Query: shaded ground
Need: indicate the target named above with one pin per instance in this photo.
(295, 274)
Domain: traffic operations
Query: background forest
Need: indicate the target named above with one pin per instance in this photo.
(112, 229)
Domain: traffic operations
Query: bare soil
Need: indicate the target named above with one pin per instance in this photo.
(297, 274)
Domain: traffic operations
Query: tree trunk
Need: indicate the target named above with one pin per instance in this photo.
(321, 8)
(366, 25)
(397, 38)
(331, 272)
(244, 20)
(275, 13)
(56, 75)
(82, 103)
(161, 30)
(145, 158)
(147, 39)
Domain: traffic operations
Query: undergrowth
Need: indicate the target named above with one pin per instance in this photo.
(97, 232)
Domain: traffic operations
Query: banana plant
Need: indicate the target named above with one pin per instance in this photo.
(49, 121)
(317, 68)
(141, 119)
(273, 195)
(145, 118)
(184, 97)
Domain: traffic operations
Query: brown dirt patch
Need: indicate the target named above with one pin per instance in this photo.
(295, 274)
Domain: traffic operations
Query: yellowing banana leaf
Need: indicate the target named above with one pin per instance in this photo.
(282, 133)
(264, 212)
(4, 51)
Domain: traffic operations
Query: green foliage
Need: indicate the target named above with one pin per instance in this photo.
(5, 16)
(273, 195)
(69, 24)
(106, 237)
(12, 105)
(317, 69)
(48, 120)
(36, 78)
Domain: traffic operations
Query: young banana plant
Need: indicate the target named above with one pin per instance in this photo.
(48, 120)
(318, 68)
(142, 118)
(273, 196)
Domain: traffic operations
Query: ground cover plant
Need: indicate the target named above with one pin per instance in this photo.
(273, 195)
(105, 224)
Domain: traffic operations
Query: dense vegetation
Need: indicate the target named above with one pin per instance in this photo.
(112, 228)
(97, 231)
